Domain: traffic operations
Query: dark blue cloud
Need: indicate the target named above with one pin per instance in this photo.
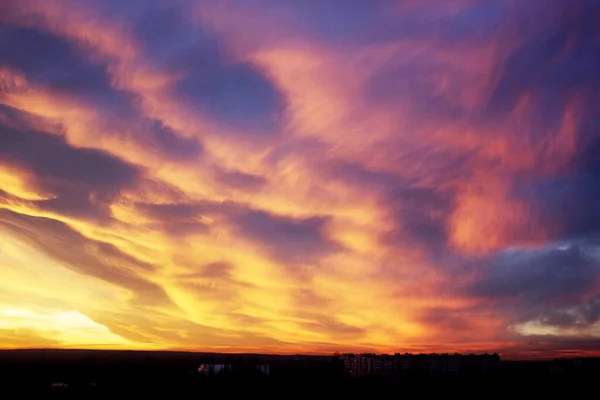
(357, 23)
(565, 204)
(552, 65)
(422, 215)
(581, 316)
(420, 211)
(334, 20)
(557, 68)
(50, 156)
(396, 83)
(239, 180)
(539, 276)
(170, 38)
(83, 182)
(354, 24)
(63, 68)
(568, 205)
(59, 65)
(187, 211)
(167, 142)
(175, 219)
(555, 64)
(236, 94)
(554, 286)
(292, 241)
(170, 212)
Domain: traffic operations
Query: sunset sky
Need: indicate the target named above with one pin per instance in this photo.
(301, 176)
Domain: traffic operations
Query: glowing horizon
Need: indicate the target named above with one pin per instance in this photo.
(299, 177)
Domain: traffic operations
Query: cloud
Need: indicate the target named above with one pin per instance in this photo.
(175, 219)
(239, 180)
(553, 65)
(54, 63)
(78, 182)
(419, 212)
(236, 94)
(214, 281)
(174, 211)
(328, 325)
(550, 291)
(155, 135)
(566, 204)
(86, 256)
(291, 240)
(21, 338)
(83, 73)
(539, 275)
(171, 330)
(288, 239)
(553, 346)
(293, 176)
(67, 329)
(422, 215)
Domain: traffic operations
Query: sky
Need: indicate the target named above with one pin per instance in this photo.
(286, 176)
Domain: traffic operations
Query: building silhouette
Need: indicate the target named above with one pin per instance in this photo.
(446, 364)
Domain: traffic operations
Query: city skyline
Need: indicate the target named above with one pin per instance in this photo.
(301, 176)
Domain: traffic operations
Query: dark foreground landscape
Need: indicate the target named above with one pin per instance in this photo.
(106, 374)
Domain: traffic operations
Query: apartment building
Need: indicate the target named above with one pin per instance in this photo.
(372, 364)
